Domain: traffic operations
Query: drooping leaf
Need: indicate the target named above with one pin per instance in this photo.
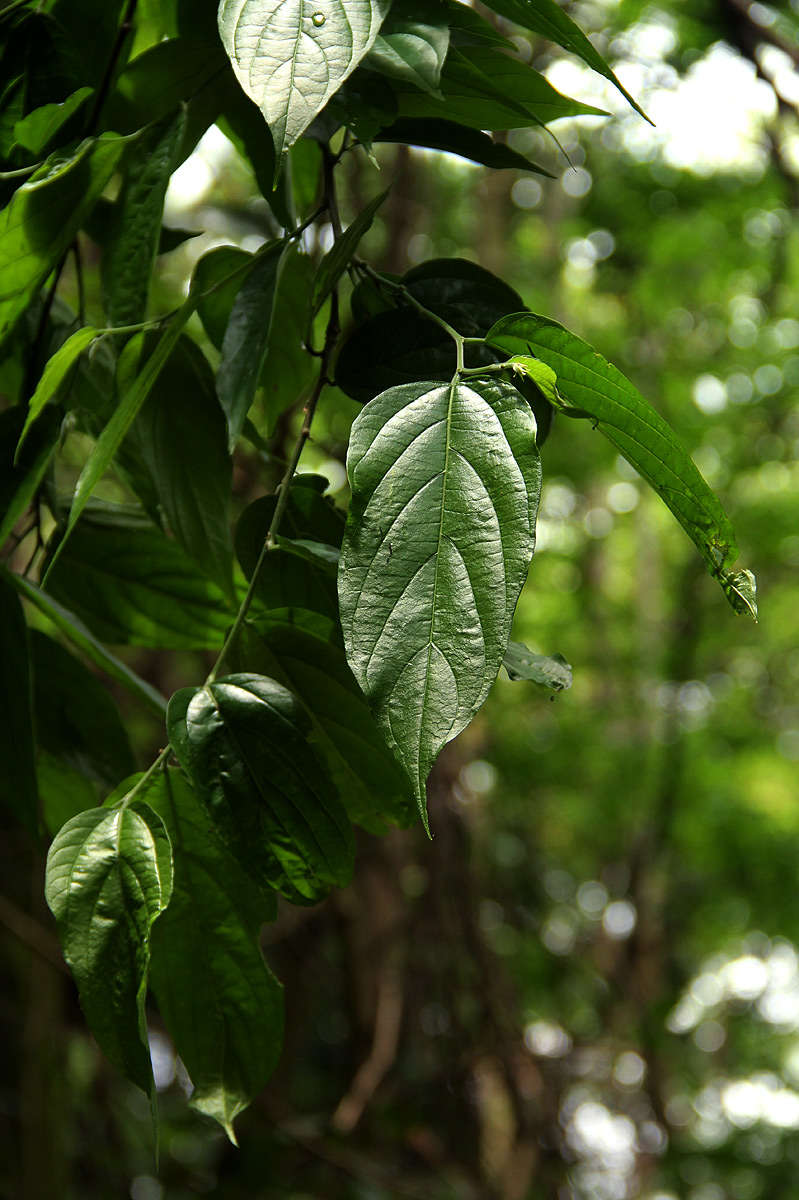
(54, 374)
(550, 671)
(20, 479)
(108, 878)
(290, 57)
(129, 257)
(136, 587)
(371, 785)
(180, 434)
(589, 386)
(412, 44)
(341, 253)
(246, 339)
(468, 143)
(44, 214)
(221, 1004)
(18, 789)
(243, 742)
(85, 641)
(77, 721)
(37, 130)
(445, 485)
(548, 18)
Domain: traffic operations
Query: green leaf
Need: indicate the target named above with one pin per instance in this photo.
(246, 339)
(77, 721)
(129, 258)
(487, 89)
(43, 217)
(445, 485)
(457, 139)
(469, 28)
(55, 371)
(36, 131)
(181, 436)
(542, 376)
(288, 369)
(412, 44)
(221, 1004)
(291, 60)
(125, 413)
(548, 18)
(85, 641)
(372, 786)
(156, 82)
(243, 742)
(212, 275)
(108, 878)
(589, 386)
(63, 791)
(740, 588)
(20, 480)
(551, 672)
(16, 727)
(136, 587)
(341, 253)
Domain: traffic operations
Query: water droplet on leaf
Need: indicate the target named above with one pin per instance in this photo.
(318, 18)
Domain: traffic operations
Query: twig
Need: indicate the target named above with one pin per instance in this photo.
(370, 1074)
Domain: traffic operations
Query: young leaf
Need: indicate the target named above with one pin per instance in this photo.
(471, 144)
(445, 485)
(108, 878)
(221, 1004)
(54, 374)
(128, 260)
(412, 44)
(341, 253)
(45, 213)
(247, 339)
(548, 18)
(549, 671)
(291, 58)
(372, 786)
(243, 742)
(16, 727)
(136, 587)
(589, 386)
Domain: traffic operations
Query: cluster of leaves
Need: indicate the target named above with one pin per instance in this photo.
(348, 653)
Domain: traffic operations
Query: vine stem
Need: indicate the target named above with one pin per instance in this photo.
(141, 784)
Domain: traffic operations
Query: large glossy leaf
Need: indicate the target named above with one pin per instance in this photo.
(372, 787)
(44, 215)
(243, 742)
(471, 144)
(290, 56)
(129, 257)
(412, 43)
(548, 18)
(109, 875)
(134, 586)
(445, 484)
(590, 386)
(246, 339)
(16, 725)
(77, 721)
(181, 436)
(221, 1004)
(84, 640)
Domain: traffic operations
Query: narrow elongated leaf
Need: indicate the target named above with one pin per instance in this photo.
(548, 18)
(590, 386)
(44, 214)
(108, 878)
(290, 57)
(471, 144)
(36, 131)
(128, 260)
(221, 1004)
(216, 290)
(85, 641)
(77, 721)
(412, 44)
(246, 340)
(167, 74)
(341, 253)
(373, 788)
(550, 671)
(55, 373)
(16, 726)
(136, 587)
(180, 434)
(20, 480)
(243, 742)
(445, 485)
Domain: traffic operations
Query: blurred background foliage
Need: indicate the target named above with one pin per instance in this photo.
(587, 986)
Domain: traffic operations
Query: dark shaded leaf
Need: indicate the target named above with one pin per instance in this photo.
(19, 789)
(457, 139)
(341, 253)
